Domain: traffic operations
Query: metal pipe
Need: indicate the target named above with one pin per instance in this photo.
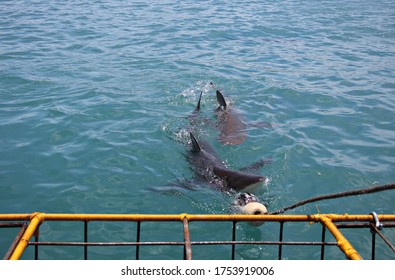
(363, 225)
(187, 240)
(342, 242)
(138, 240)
(70, 243)
(323, 241)
(182, 243)
(375, 229)
(36, 248)
(196, 217)
(85, 240)
(11, 225)
(233, 239)
(24, 242)
(15, 242)
(373, 245)
(280, 248)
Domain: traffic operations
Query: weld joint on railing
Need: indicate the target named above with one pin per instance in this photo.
(36, 219)
(39, 215)
(184, 216)
(316, 218)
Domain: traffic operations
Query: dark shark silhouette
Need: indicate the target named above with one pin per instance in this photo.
(232, 128)
(208, 166)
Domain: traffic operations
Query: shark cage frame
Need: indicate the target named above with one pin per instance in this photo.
(29, 225)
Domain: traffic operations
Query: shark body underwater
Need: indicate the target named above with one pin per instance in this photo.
(232, 128)
(208, 165)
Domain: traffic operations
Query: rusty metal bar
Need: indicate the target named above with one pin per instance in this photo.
(362, 225)
(187, 240)
(138, 240)
(280, 248)
(11, 225)
(323, 241)
(16, 241)
(70, 243)
(373, 244)
(233, 239)
(293, 243)
(36, 248)
(181, 243)
(376, 230)
(36, 236)
(85, 240)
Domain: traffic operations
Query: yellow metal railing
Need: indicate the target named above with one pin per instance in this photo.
(328, 222)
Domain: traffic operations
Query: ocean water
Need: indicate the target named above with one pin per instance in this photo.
(94, 97)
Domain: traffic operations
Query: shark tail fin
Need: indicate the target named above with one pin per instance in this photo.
(195, 145)
(221, 100)
(239, 181)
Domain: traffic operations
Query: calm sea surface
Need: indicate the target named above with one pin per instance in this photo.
(94, 95)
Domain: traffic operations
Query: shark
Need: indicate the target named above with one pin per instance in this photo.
(208, 166)
(231, 126)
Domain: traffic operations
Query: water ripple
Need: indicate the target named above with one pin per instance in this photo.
(93, 97)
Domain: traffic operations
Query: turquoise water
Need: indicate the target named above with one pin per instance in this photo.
(94, 95)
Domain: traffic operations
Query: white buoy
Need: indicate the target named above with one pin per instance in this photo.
(254, 208)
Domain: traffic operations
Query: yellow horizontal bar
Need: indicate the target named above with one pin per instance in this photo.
(15, 217)
(196, 217)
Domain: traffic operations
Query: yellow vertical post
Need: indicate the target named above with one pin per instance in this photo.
(24, 242)
(342, 242)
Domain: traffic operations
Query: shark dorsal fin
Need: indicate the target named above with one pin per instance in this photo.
(198, 105)
(221, 100)
(195, 145)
